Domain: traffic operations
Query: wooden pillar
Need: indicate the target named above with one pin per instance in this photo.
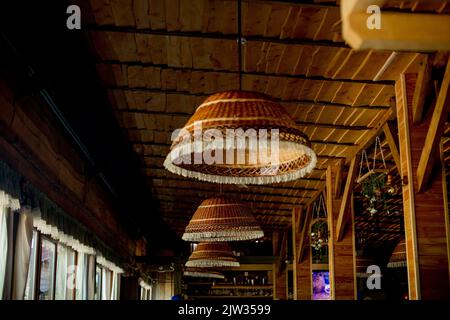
(296, 212)
(341, 238)
(424, 213)
(280, 281)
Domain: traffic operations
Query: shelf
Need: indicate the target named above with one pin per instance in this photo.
(256, 287)
(230, 297)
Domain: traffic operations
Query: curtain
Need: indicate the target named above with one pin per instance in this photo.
(22, 253)
(62, 273)
(3, 246)
(91, 278)
(114, 286)
(81, 292)
(106, 284)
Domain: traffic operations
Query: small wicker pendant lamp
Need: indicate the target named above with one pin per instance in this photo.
(203, 273)
(241, 137)
(222, 219)
(398, 257)
(212, 255)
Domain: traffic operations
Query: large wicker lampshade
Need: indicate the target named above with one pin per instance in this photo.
(398, 257)
(222, 219)
(203, 273)
(212, 255)
(214, 145)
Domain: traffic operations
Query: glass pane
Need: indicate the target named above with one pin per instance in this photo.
(98, 283)
(71, 274)
(47, 270)
(31, 278)
(62, 275)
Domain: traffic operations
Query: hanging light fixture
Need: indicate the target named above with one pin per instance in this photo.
(241, 137)
(203, 273)
(212, 255)
(222, 219)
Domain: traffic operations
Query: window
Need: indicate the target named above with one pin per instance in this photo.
(31, 278)
(65, 273)
(98, 283)
(47, 270)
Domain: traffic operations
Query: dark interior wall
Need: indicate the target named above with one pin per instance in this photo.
(34, 145)
(64, 65)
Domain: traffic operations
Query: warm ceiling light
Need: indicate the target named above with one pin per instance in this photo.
(241, 137)
(203, 273)
(222, 219)
(212, 255)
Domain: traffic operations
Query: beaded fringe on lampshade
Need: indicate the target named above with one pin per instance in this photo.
(398, 257)
(203, 273)
(222, 219)
(236, 161)
(212, 255)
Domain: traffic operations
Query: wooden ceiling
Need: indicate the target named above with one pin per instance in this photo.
(158, 60)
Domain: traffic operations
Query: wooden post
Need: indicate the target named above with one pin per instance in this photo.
(341, 242)
(296, 234)
(424, 213)
(303, 259)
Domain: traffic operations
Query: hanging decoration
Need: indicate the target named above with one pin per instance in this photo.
(377, 183)
(222, 219)
(212, 255)
(241, 137)
(203, 273)
(319, 225)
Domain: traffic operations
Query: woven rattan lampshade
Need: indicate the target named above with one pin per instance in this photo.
(203, 273)
(398, 257)
(222, 219)
(212, 255)
(244, 113)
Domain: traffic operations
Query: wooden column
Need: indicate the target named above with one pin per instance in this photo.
(424, 213)
(302, 259)
(341, 241)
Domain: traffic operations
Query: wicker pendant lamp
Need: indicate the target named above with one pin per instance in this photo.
(398, 257)
(212, 255)
(241, 137)
(203, 273)
(222, 219)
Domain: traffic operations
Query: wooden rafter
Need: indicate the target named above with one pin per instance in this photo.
(346, 199)
(435, 131)
(304, 234)
(398, 30)
(422, 87)
(393, 144)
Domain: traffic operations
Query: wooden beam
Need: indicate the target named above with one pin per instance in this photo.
(329, 205)
(424, 213)
(422, 88)
(346, 199)
(393, 145)
(339, 177)
(304, 235)
(398, 31)
(434, 134)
